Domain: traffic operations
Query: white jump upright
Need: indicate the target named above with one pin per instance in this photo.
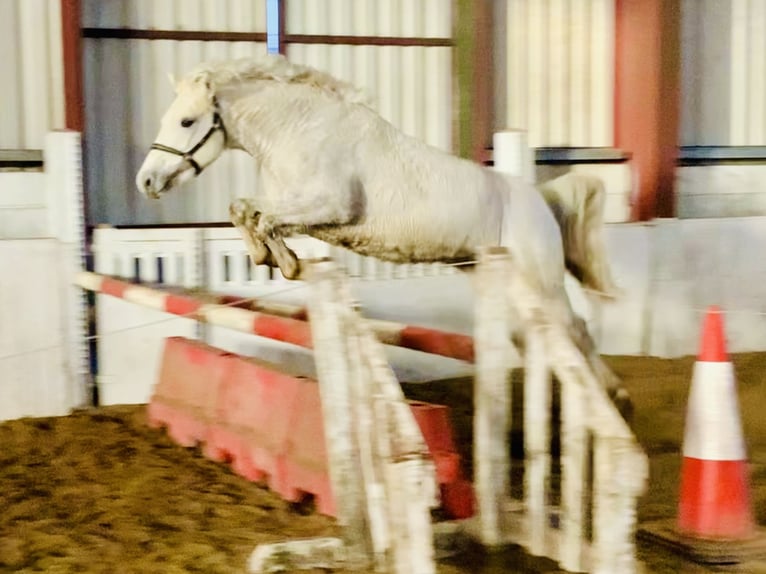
(492, 398)
(620, 467)
(381, 473)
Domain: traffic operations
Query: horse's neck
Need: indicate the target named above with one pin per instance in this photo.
(258, 114)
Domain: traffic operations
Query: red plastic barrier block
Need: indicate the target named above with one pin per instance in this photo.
(447, 466)
(183, 427)
(434, 423)
(304, 467)
(252, 418)
(458, 499)
(186, 392)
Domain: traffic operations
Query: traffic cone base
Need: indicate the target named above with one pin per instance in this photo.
(716, 501)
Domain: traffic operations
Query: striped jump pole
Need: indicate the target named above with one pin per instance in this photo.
(285, 323)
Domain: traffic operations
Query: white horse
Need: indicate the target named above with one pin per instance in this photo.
(333, 168)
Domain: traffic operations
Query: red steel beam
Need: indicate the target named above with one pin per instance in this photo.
(647, 99)
(72, 53)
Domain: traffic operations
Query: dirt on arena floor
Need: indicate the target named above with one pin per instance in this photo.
(98, 491)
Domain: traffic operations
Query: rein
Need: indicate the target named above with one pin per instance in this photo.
(189, 155)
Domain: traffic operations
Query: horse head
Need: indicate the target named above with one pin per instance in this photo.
(191, 137)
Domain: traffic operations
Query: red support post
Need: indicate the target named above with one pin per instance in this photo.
(72, 54)
(647, 99)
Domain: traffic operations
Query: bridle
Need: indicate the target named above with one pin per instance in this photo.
(189, 155)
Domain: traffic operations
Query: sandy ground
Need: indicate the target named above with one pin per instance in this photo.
(98, 491)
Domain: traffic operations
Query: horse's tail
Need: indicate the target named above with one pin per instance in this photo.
(577, 202)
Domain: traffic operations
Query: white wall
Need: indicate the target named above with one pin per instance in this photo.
(23, 211)
(722, 190)
(42, 316)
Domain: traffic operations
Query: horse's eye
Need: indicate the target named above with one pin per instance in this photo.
(187, 123)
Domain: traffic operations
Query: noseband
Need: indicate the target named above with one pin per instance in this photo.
(189, 155)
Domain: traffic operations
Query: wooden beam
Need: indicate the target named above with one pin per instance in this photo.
(282, 30)
(647, 99)
(74, 116)
(179, 35)
(474, 71)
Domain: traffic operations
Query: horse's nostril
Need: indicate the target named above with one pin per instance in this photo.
(148, 182)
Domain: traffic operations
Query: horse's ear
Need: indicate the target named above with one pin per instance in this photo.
(204, 79)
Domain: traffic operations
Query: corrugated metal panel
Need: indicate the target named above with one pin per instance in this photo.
(33, 96)
(411, 86)
(748, 65)
(206, 15)
(559, 71)
(723, 73)
(395, 18)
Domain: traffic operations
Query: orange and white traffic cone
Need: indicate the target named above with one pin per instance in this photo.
(715, 520)
(714, 500)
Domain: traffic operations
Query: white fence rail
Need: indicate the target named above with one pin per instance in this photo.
(214, 259)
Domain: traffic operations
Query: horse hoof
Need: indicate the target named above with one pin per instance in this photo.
(624, 404)
(294, 270)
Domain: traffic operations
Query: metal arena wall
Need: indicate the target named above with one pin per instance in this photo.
(32, 101)
(554, 63)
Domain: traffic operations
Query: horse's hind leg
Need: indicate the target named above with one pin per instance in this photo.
(611, 382)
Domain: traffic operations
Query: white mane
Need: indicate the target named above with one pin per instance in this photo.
(276, 68)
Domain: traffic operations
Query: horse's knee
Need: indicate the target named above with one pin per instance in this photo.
(243, 214)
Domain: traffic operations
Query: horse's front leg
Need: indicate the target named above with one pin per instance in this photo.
(283, 217)
(245, 218)
(264, 249)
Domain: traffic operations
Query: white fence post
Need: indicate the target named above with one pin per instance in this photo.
(66, 221)
(492, 397)
(574, 459)
(537, 458)
(620, 465)
(512, 155)
(383, 480)
(410, 483)
(335, 387)
(618, 477)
